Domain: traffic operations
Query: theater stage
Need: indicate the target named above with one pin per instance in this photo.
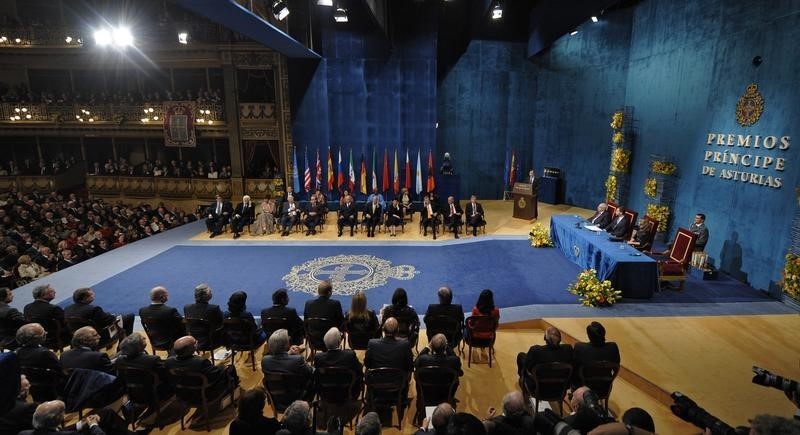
(664, 341)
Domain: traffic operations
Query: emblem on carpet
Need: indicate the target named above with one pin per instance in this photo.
(348, 273)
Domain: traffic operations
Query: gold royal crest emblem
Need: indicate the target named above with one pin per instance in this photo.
(750, 106)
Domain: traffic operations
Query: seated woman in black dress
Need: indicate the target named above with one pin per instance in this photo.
(394, 217)
(642, 235)
(361, 323)
(406, 316)
(237, 309)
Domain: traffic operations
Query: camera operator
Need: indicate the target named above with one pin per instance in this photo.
(588, 414)
(517, 418)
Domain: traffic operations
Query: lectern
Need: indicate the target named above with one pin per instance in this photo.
(525, 201)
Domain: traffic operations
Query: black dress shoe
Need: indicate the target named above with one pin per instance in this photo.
(351, 233)
(434, 237)
(474, 233)
(340, 234)
(235, 236)
(456, 235)
(212, 235)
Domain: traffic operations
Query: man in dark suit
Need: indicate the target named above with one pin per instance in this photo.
(42, 310)
(445, 307)
(601, 218)
(390, 351)
(313, 216)
(597, 349)
(243, 214)
(84, 354)
(133, 355)
(201, 309)
(10, 319)
(323, 306)
(164, 320)
(48, 419)
(19, 417)
(219, 378)
(31, 353)
(438, 354)
(429, 216)
(218, 215)
(335, 356)
(280, 310)
(475, 216)
(290, 212)
(83, 309)
(348, 215)
(552, 351)
(517, 418)
(284, 358)
(618, 226)
(372, 215)
(453, 215)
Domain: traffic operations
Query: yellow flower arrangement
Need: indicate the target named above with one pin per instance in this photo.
(659, 213)
(592, 291)
(620, 160)
(616, 120)
(539, 237)
(611, 188)
(618, 137)
(665, 168)
(791, 276)
(650, 187)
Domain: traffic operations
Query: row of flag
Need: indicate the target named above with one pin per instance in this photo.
(345, 177)
(512, 169)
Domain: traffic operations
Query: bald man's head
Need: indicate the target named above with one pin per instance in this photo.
(185, 346)
(49, 415)
(552, 336)
(439, 344)
(441, 417)
(513, 404)
(31, 334)
(332, 338)
(577, 397)
(390, 327)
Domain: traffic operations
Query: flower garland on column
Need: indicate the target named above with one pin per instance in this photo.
(620, 159)
(659, 190)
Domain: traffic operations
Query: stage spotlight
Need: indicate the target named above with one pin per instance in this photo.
(68, 39)
(122, 37)
(280, 9)
(183, 38)
(573, 33)
(324, 2)
(340, 15)
(102, 37)
(3, 39)
(497, 11)
(594, 19)
(18, 40)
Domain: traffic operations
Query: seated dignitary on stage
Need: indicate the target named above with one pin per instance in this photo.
(237, 309)
(133, 354)
(597, 349)
(445, 307)
(618, 226)
(82, 308)
(640, 239)
(289, 215)
(552, 351)
(42, 309)
(406, 203)
(372, 215)
(166, 320)
(348, 215)
(475, 216)
(429, 217)
(601, 218)
(313, 216)
(391, 352)
(265, 220)
(281, 310)
(453, 215)
(203, 310)
(394, 217)
(377, 194)
(243, 215)
(10, 319)
(335, 356)
(219, 378)
(323, 306)
(218, 215)
(286, 358)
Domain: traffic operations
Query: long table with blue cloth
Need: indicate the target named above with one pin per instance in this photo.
(636, 275)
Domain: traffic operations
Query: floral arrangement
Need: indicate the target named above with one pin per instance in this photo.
(620, 160)
(592, 291)
(665, 168)
(791, 276)
(611, 188)
(659, 213)
(618, 137)
(651, 187)
(616, 120)
(539, 237)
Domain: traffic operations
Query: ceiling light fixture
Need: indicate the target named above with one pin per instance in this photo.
(340, 15)
(183, 38)
(122, 37)
(324, 2)
(280, 9)
(594, 18)
(573, 33)
(497, 11)
(68, 39)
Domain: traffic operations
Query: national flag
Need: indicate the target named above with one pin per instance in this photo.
(396, 174)
(506, 170)
(419, 174)
(431, 181)
(306, 173)
(330, 170)
(295, 169)
(512, 177)
(318, 184)
(408, 172)
(374, 175)
(363, 178)
(340, 178)
(385, 170)
(351, 182)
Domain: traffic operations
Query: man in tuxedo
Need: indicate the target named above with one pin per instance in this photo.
(552, 351)
(454, 213)
(601, 218)
(429, 217)
(42, 309)
(372, 215)
(323, 306)
(313, 215)
(289, 215)
(475, 216)
(347, 215)
(133, 354)
(389, 351)
(531, 177)
(166, 321)
(619, 224)
(84, 354)
(201, 309)
(10, 319)
(439, 354)
(219, 378)
(82, 308)
(335, 356)
(218, 215)
(445, 307)
(597, 349)
(243, 214)
(284, 358)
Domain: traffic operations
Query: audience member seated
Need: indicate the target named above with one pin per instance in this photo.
(168, 324)
(243, 215)
(485, 305)
(237, 309)
(133, 354)
(218, 216)
(582, 419)
(475, 215)
(281, 310)
(27, 269)
(439, 420)
(406, 316)
(19, 417)
(389, 351)
(640, 239)
(335, 356)
(517, 417)
(84, 354)
(31, 353)
(42, 309)
(601, 218)
(323, 306)
(83, 309)
(552, 351)
(361, 323)
(297, 421)
(597, 349)
(438, 354)
(618, 226)
(203, 310)
(348, 215)
(251, 419)
(10, 319)
(370, 424)
(48, 418)
(220, 379)
(284, 358)
(446, 308)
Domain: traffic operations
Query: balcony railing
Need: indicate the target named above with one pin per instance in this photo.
(178, 188)
(132, 113)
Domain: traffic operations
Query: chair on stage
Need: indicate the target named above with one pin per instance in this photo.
(630, 216)
(611, 207)
(648, 244)
(675, 267)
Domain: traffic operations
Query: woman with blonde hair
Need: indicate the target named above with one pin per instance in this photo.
(28, 269)
(265, 220)
(361, 323)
